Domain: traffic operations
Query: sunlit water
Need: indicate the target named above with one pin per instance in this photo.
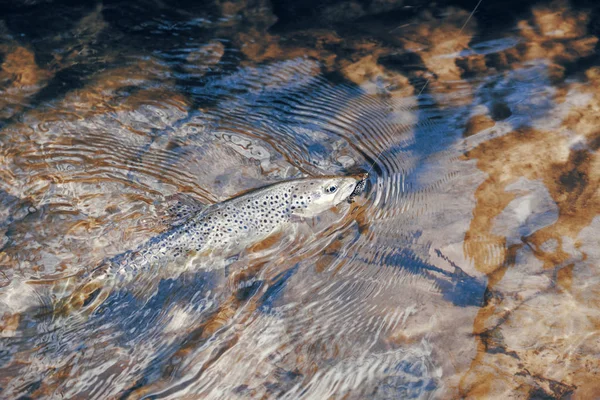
(468, 268)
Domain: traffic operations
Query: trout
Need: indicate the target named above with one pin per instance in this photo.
(225, 228)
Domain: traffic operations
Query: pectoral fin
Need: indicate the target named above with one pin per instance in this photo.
(297, 218)
(84, 299)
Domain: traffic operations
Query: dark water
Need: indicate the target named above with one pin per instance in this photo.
(468, 268)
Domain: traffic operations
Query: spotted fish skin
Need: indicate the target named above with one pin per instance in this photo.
(225, 229)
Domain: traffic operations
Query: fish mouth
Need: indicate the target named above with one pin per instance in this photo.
(360, 185)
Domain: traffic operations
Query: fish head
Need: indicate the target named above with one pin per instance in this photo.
(312, 196)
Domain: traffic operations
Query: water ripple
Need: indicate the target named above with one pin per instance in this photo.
(409, 292)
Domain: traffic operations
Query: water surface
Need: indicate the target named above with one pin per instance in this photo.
(468, 268)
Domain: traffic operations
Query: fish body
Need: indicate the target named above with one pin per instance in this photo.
(226, 229)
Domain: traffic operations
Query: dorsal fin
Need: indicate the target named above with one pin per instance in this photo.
(178, 208)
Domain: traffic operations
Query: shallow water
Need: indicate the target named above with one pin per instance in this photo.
(468, 268)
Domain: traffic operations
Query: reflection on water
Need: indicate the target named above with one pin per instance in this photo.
(469, 268)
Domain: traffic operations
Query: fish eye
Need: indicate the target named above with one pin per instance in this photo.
(331, 189)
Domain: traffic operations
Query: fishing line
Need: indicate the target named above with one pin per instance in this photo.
(378, 156)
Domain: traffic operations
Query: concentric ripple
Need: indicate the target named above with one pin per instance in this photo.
(107, 175)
